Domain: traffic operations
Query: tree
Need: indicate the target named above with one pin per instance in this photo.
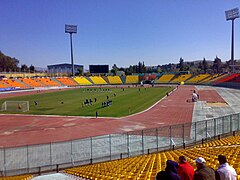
(7, 63)
(144, 68)
(80, 71)
(139, 69)
(24, 68)
(181, 64)
(32, 69)
(114, 69)
(200, 66)
(205, 65)
(217, 65)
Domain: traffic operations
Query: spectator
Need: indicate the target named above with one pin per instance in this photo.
(170, 172)
(225, 171)
(203, 172)
(185, 170)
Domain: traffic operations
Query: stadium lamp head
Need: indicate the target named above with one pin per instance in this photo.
(232, 14)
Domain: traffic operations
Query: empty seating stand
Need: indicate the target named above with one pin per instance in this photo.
(132, 80)
(230, 78)
(82, 81)
(166, 78)
(19, 177)
(181, 78)
(197, 79)
(14, 83)
(147, 166)
(114, 80)
(66, 81)
(98, 80)
(32, 82)
(48, 81)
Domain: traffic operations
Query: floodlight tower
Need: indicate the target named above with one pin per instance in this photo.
(71, 29)
(232, 14)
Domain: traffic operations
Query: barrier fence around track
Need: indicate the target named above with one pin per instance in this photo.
(60, 155)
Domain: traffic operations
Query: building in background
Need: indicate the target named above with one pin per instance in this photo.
(64, 69)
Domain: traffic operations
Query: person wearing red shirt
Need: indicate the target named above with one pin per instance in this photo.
(185, 170)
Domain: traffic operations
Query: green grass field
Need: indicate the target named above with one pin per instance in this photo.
(69, 102)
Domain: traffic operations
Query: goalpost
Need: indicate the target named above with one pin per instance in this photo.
(15, 106)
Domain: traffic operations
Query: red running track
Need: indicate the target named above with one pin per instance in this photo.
(19, 130)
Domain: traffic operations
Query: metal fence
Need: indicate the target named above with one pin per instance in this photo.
(54, 156)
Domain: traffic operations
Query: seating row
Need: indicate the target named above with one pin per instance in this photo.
(98, 80)
(147, 166)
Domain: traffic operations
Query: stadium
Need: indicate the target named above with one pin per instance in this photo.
(125, 144)
(160, 99)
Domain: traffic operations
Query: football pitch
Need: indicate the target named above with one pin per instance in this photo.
(107, 102)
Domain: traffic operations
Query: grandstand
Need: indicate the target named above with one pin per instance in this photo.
(14, 83)
(132, 80)
(208, 79)
(216, 78)
(32, 82)
(2, 84)
(181, 78)
(48, 81)
(143, 161)
(97, 80)
(23, 83)
(230, 78)
(198, 78)
(19, 177)
(147, 166)
(66, 81)
(114, 80)
(82, 80)
(166, 78)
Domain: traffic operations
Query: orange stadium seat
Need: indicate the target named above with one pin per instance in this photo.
(32, 82)
(48, 81)
(66, 81)
(14, 83)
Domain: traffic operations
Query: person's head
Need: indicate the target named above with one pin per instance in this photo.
(222, 159)
(171, 166)
(182, 159)
(200, 161)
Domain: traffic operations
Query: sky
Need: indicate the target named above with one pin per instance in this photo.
(121, 32)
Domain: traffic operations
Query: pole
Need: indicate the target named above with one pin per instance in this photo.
(72, 54)
(232, 48)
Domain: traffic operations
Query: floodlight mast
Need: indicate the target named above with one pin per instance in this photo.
(71, 29)
(232, 15)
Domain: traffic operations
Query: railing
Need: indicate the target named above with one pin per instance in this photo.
(55, 156)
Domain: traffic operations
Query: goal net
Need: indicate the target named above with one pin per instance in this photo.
(15, 106)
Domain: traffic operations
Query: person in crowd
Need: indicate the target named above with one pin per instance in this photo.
(170, 172)
(203, 172)
(225, 171)
(185, 170)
